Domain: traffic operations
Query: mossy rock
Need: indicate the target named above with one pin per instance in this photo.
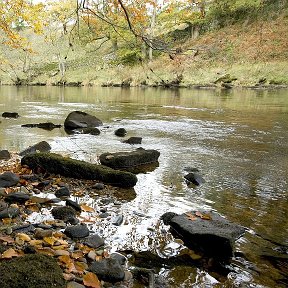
(31, 271)
(57, 164)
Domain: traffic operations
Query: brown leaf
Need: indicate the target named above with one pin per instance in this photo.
(46, 250)
(77, 254)
(198, 214)
(206, 217)
(191, 216)
(8, 254)
(7, 239)
(87, 208)
(80, 267)
(91, 280)
(50, 240)
(7, 221)
(24, 237)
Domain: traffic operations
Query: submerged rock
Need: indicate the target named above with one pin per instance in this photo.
(94, 241)
(8, 179)
(108, 270)
(10, 115)
(78, 119)
(74, 205)
(56, 164)
(42, 146)
(194, 178)
(205, 232)
(46, 126)
(124, 160)
(31, 271)
(133, 140)
(63, 213)
(5, 155)
(120, 132)
(62, 192)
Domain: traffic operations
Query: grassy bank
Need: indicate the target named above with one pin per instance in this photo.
(244, 53)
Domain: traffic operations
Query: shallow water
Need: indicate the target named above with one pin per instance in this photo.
(237, 139)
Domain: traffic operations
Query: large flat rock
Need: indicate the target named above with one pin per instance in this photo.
(126, 160)
(206, 232)
(57, 164)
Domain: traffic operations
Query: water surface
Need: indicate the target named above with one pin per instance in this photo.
(237, 139)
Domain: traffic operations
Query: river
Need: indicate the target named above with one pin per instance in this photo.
(238, 139)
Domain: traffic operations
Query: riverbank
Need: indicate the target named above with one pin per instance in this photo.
(240, 55)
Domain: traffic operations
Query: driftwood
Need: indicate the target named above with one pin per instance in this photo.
(57, 164)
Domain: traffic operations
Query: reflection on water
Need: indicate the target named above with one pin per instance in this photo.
(238, 140)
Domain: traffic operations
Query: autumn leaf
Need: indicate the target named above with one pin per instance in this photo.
(87, 208)
(8, 254)
(7, 239)
(206, 217)
(7, 221)
(191, 216)
(50, 240)
(91, 280)
(77, 254)
(46, 250)
(24, 237)
(198, 214)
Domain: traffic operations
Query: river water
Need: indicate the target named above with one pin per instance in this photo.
(238, 139)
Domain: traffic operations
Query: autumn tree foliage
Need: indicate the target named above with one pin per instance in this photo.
(17, 14)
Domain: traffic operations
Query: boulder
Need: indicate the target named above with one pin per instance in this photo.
(17, 197)
(33, 271)
(63, 213)
(94, 241)
(47, 126)
(10, 115)
(5, 155)
(194, 178)
(77, 231)
(74, 205)
(205, 232)
(62, 192)
(78, 119)
(133, 140)
(8, 179)
(121, 132)
(124, 160)
(42, 146)
(108, 270)
(56, 164)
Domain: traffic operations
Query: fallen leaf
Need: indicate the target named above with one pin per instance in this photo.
(68, 277)
(206, 217)
(77, 254)
(65, 259)
(198, 214)
(80, 267)
(46, 250)
(7, 239)
(7, 221)
(8, 254)
(191, 216)
(50, 240)
(91, 280)
(24, 237)
(87, 208)
(35, 242)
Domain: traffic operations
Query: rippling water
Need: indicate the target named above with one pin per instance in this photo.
(237, 139)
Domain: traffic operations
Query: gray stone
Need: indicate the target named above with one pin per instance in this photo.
(5, 155)
(8, 179)
(77, 231)
(120, 132)
(3, 205)
(62, 192)
(10, 115)
(42, 146)
(17, 197)
(133, 140)
(94, 241)
(117, 220)
(73, 284)
(119, 257)
(211, 234)
(99, 186)
(108, 270)
(63, 213)
(78, 119)
(57, 164)
(90, 130)
(10, 212)
(74, 205)
(124, 160)
(194, 178)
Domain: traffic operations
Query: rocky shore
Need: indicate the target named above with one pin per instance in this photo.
(46, 238)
